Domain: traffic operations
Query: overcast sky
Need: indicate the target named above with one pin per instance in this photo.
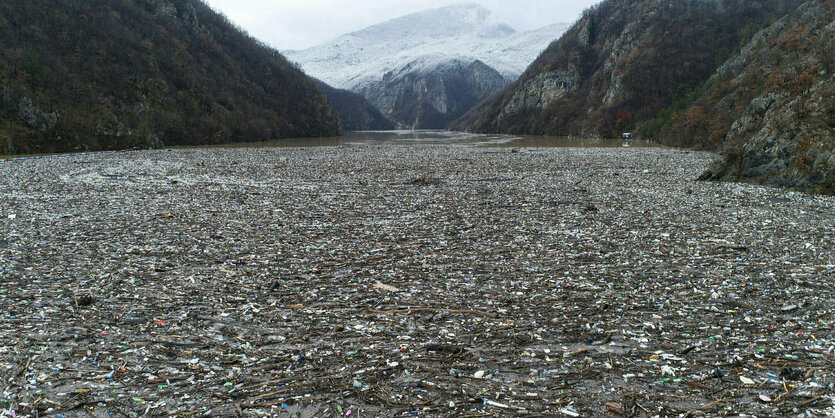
(299, 24)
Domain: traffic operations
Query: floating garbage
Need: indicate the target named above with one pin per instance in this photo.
(430, 280)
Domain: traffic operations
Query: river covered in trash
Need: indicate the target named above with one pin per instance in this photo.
(441, 137)
(460, 275)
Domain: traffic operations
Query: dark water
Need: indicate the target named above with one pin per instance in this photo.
(414, 137)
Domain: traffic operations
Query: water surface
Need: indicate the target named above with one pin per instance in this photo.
(415, 137)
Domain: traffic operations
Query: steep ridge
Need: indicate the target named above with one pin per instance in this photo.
(772, 106)
(401, 65)
(354, 111)
(113, 74)
(430, 96)
(620, 65)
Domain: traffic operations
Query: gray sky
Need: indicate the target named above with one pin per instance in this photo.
(298, 24)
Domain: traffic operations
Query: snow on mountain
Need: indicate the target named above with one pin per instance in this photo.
(513, 54)
(461, 32)
(430, 97)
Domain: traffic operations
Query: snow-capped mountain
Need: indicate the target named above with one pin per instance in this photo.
(512, 55)
(420, 96)
(375, 60)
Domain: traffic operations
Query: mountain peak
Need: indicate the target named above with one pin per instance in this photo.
(466, 12)
(426, 68)
(461, 30)
(443, 22)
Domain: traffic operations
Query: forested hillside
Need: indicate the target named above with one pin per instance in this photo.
(623, 66)
(112, 74)
(354, 111)
(772, 106)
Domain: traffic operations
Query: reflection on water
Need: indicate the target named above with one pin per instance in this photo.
(410, 137)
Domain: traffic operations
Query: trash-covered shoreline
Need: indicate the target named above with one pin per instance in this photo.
(424, 280)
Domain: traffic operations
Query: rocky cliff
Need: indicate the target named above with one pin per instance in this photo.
(773, 106)
(429, 95)
(621, 65)
(112, 74)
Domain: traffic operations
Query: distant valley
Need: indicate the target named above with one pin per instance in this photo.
(752, 79)
(426, 69)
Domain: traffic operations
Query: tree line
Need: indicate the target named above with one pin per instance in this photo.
(119, 74)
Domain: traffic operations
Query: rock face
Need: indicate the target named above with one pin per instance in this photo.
(406, 66)
(773, 105)
(754, 79)
(354, 111)
(620, 66)
(115, 74)
(431, 96)
(540, 91)
(34, 117)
